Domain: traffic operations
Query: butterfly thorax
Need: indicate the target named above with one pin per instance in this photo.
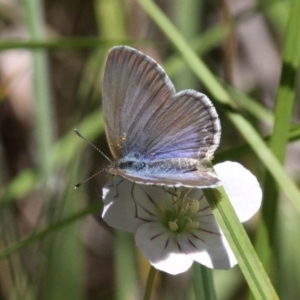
(181, 165)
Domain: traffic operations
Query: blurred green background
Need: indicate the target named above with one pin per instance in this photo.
(53, 243)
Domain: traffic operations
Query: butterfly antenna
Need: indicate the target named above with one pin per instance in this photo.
(89, 142)
(81, 183)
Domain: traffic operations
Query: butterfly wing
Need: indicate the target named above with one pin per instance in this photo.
(134, 88)
(146, 119)
(203, 179)
(186, 127)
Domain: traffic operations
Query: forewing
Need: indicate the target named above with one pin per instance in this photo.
(134, 89)
(204, 179)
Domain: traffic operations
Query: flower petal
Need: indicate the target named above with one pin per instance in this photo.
(160, 247)
(241, 187)
(127, 204)
(119, 207)
(208, 248)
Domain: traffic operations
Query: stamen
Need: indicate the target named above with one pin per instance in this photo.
(162, 208)
(192, 225)
(180, 208)
(173, 225)
(194, 206)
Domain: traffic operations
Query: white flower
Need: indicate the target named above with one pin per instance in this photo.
(174, 227)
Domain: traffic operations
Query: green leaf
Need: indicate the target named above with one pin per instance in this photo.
(267, 229)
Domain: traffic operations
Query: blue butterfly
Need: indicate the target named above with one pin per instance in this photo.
(156, 136)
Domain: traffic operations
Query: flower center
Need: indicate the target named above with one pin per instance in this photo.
(181, 215)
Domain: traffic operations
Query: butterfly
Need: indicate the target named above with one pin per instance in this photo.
(156, 136)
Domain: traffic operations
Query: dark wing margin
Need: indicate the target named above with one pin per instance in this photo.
(134, 88)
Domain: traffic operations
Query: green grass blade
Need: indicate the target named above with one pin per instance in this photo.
(64, 250)
(236, 152)
(69, 220)
(283, 113)
(201, 45)
(251, 106)
(68, 43)
(125, 259)
(188, 19)
(236, 236)
(277, 13)
(44, 123)
(203, 282)
(267, 229)
(149, 283)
